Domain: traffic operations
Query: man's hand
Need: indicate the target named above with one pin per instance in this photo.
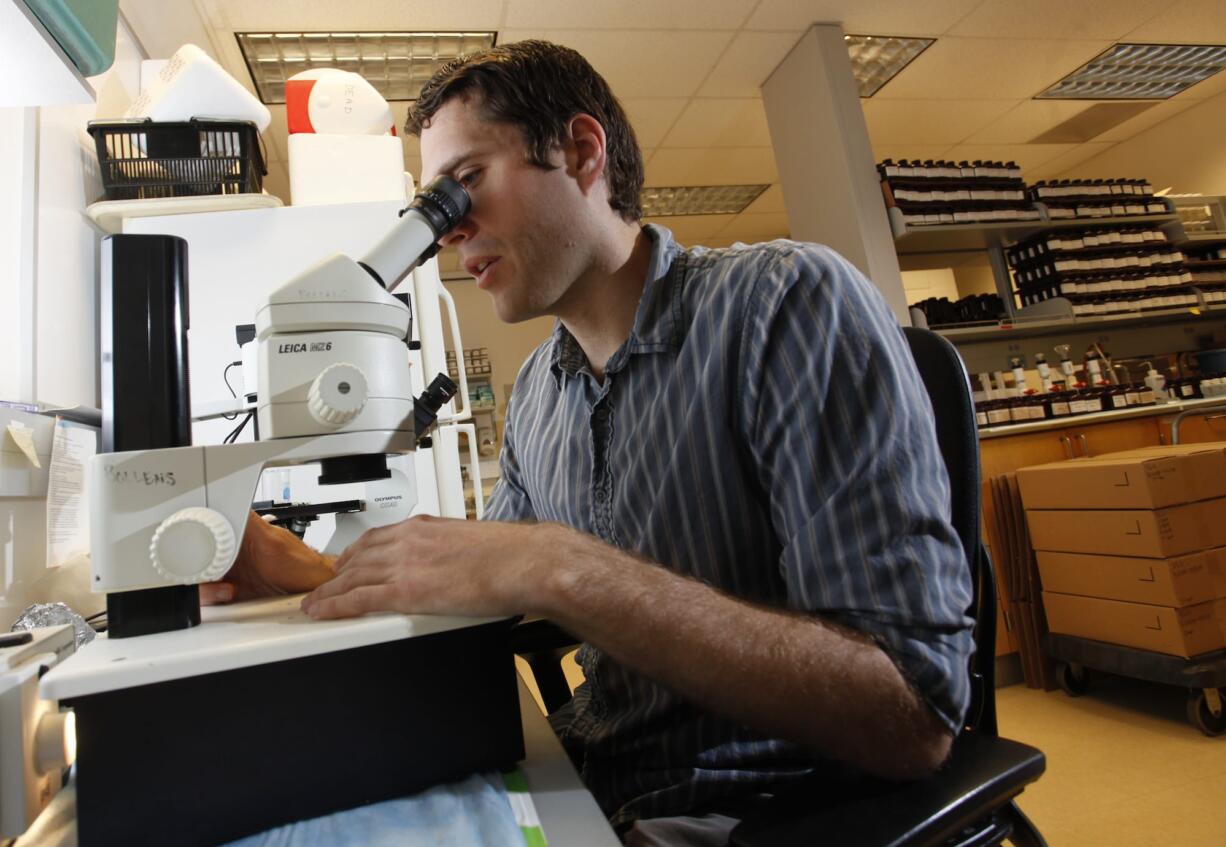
(444, 566)
(271, 562)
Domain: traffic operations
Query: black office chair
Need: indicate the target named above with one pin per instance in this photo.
(969, 801)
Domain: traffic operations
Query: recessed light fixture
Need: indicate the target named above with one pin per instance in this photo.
(699, 200)
(397, 64)
(877, 59)
(1140, 72)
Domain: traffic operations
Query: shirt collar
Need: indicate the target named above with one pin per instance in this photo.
(656, 321)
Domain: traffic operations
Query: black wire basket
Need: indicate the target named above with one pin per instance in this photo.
(144, 159)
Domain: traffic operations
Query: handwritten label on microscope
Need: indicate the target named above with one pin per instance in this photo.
(148, 478)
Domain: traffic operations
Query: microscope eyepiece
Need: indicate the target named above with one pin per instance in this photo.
(443, 203)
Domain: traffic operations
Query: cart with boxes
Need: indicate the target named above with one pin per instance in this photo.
(1131, 552)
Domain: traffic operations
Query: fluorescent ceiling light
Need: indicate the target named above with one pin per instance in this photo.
(1140, 72)
(397, 64)
(699, 200)
(877, 59)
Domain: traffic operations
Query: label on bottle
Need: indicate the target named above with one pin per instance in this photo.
(1060, 408)
(1134, 398)
(981, 418)
(1186, 391)
(997, 416)
(1147, 396)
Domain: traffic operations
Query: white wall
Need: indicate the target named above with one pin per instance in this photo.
(48, 301)
(18, 173)
(66, 266)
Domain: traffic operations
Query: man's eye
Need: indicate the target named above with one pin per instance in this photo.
(469, 178)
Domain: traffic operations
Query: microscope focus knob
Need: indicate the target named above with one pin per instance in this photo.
(337, 395)
(193, 545)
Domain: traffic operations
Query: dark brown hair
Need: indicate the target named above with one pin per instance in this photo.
(539, 87)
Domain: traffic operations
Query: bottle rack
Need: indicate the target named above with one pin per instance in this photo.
(1101, 270)
(938, 192)
(1207, 268)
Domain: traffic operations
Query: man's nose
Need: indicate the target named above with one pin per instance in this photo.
(460, 233)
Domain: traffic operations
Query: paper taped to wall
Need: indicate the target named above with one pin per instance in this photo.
(68, 495)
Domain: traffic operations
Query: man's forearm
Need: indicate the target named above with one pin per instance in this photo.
(794, 676)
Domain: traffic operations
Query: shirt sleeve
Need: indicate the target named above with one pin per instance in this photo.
(838, 423)
(509, 500)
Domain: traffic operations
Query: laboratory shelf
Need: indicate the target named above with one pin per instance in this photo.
(965, 238)
(1022, 328)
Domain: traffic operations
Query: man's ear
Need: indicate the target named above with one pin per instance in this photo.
(586, 154)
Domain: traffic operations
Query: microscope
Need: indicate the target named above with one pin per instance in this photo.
(197, 729)
(334, 388)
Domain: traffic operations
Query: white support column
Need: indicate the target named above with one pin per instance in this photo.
(825, 161)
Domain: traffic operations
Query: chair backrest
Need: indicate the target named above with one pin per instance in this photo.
(945, 378)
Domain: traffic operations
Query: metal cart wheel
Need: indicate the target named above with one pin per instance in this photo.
(1074, 679)
(1206, 711)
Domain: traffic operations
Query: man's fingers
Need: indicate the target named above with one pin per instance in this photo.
(347, 581)
(214, 593)
(359, 601)
(370, 540)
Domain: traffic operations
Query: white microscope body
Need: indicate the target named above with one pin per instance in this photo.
(334, 386)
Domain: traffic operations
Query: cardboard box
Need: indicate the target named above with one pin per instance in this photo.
(1112, 481)
(1168, 450)
(1186, 632)
(1182, 581)
(1152, 534)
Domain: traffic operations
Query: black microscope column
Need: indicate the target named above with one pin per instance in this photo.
(145, 398)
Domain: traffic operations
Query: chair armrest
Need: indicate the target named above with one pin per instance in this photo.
(539, 635)
(982, 774)
(542, 644)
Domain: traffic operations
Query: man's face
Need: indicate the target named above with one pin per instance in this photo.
(524, 239)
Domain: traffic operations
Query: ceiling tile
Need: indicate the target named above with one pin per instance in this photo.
(746, 64)
(652, 119)
(1029, 119)
(641, 63)
(628, 14)
(710, 166)
(881, 152)
(770, 200)
(1055, 19)
(1029, 156)
(1187, 21)
(358, 15)
(1149, 118)
(721, 123)
(862, 17)
(1062, 164)
(989, 68)
(930, 122)
(691, 229)
(753, 228)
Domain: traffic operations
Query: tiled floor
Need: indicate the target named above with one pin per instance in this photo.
(1124, 766)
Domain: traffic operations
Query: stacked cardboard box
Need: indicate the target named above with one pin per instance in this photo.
(1131, 546)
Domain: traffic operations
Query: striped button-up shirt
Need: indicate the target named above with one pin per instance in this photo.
(763, 429)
